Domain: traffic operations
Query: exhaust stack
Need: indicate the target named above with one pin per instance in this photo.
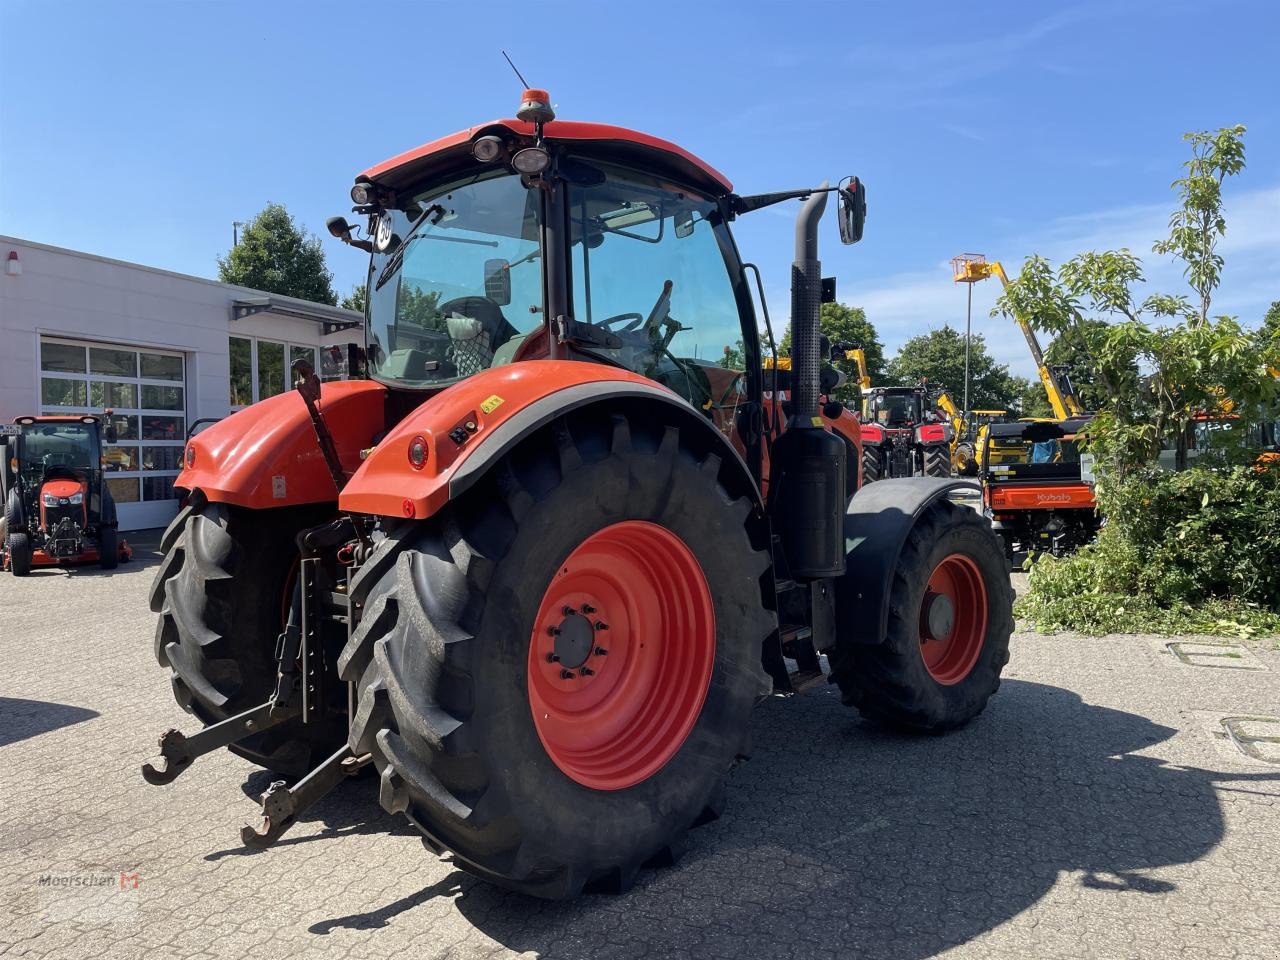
(807, 491)
(806, 308)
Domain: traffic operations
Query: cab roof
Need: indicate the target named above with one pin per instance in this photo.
(640, 149)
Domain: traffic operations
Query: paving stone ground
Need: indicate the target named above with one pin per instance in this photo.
(1094, 810)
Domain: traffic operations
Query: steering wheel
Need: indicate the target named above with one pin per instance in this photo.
(635, 318)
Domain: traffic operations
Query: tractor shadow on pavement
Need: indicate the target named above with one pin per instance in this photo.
(22, 719)
(841, 839)
(350, 810)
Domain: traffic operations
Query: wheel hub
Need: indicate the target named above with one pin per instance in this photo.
(575, 638)
(940, 616)
(953, 618)
(621, 655)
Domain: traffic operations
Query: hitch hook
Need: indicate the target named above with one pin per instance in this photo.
(177, 750)
(282, 805)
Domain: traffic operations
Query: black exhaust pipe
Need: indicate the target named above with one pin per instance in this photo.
(806, 308)
(807, 464)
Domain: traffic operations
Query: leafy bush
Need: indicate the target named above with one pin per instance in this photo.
(1197, 551)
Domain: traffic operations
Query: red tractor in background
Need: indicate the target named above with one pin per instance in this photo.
(903, 435)
(57, 505)
(538, 568)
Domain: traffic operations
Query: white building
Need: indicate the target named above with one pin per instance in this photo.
(80, 332)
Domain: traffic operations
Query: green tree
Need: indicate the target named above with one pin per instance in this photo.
(1072, 352)
(1198, 223)
(1271, 321)
(735, 357)
(1190, 366)
(841, 323)
(938, 357)
(355, 300)
(276, 256)
(1030, 399)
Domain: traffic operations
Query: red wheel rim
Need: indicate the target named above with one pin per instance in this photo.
(636, 592)
(953, 619)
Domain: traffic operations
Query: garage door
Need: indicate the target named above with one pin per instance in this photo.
(146, 389)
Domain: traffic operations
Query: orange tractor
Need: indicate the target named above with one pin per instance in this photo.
(534, 572)
(58, 509)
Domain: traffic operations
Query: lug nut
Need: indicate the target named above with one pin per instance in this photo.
(552, 658)
(586, 671)
(553, 631)
(566, 675)
(588, 609)
(601, 625)
(568, 611)
(601, 651)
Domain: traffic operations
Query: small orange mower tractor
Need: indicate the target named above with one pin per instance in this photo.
(1034, 489)
(523, 571)
(57, 506)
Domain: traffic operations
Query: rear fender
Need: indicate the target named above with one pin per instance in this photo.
(502, 406)
(267, 455)
(876, 527)
(932, 433)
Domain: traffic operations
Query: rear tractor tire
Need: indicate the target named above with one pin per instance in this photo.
(557, 693)
(19, 547)
(872, 464)
(951, 615)
(936, 462)
(221, 595)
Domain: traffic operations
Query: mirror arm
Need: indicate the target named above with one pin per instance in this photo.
(757, 201)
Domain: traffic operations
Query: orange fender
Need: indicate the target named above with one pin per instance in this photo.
(267, 455)
(466, 427)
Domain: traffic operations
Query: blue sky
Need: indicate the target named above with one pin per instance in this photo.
(142, 130)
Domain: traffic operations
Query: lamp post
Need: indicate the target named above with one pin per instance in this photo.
(235, 231)
(968, 268)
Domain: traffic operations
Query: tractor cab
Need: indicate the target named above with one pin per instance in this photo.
(895, 408)
(58, 508)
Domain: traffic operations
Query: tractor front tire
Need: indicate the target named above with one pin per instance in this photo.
(936, 462)
(950, 618)
(556, 675)
(108, 548)
(19, 547)
(220, 594)
(872, 464)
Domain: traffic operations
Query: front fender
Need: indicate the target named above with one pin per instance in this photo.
(469, 426)
(267, 455)
(879, 519)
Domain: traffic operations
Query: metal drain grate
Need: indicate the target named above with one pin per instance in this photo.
(1222, 656)
(1256, 737)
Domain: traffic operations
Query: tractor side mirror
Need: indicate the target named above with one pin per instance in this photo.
(853, 210)
(497, 281)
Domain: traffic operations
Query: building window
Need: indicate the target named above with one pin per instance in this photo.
(270, 369)
(241, 372)
(302, 353)
(146, 391)
(262, 368)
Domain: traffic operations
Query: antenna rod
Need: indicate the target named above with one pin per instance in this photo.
(523, 81)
